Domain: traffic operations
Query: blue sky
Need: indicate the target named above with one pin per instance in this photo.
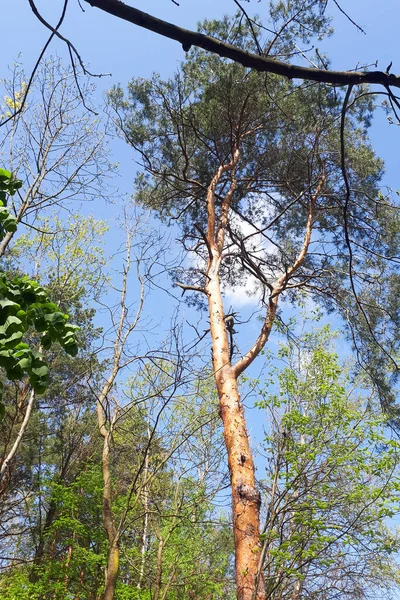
(110, 45)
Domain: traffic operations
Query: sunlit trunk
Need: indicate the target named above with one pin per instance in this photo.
(245, 495)
(158, 579)
(112, 572)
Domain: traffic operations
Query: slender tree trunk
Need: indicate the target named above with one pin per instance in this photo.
(19, 437)
(245, 495)
(122, 333)
(67, 563)
(112, 572)
(158, 579)
(296, 590)
(5, 242)
(107, 512)
(108, 518)
(145, 496)
(171, 580)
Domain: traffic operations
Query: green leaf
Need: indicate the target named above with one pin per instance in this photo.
(41, 372)
(25, 363)
(5, 175)
(12, 340)
(12, 324)
(24, 303)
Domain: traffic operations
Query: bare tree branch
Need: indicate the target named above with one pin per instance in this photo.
(349, 18)
(37, 64)
(19, 437)
(263, 64)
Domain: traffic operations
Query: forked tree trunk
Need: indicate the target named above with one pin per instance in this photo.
(246, 498)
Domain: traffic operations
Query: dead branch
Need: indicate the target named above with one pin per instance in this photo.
(263, 64)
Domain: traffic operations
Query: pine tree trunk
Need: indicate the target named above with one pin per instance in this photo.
(245, 495)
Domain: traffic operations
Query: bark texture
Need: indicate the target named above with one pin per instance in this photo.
(107, 512)
(108, 522)
(245, 496)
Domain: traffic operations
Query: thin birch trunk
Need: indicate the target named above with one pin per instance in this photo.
(20, 435)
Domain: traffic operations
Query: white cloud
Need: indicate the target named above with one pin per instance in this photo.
(248, 294)
(243, 294)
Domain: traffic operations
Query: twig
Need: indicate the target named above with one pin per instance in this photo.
(35, 68)
(346, 224)
(349, 18)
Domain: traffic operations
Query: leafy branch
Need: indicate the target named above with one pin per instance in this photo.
(24, 305)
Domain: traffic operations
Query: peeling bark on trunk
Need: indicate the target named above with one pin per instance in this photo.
(245, 495)
(246, 499)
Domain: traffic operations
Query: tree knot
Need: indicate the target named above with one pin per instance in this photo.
(249, 494)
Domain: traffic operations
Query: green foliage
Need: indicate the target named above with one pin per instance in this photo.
(199, 553)
(70, 263)
(336, 471)
(197, 540)
(81, 544)
(25, 305)
(8, 186)
(63, 471)
(295, 19)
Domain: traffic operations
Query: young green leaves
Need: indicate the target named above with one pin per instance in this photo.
(8, 186)
(25, 308)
